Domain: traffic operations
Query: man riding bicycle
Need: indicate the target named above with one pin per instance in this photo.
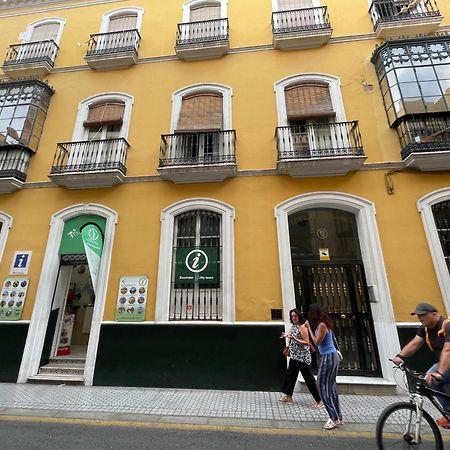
(435, 331)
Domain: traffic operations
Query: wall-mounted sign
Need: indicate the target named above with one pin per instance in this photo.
(13, 294)
(132, 299)
(197, 265)
(20, 263)
(324, 254)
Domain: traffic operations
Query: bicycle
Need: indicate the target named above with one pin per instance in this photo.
(406, 425)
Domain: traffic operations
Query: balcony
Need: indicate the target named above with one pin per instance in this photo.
(34, 59)
(425, 142)
(198, 157)
(404, 18)
(301, 28)
(14, 160)
(202, 40)
(90, 164)
(319, 150)
(115, 50)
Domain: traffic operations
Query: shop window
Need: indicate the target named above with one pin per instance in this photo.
(441, 214)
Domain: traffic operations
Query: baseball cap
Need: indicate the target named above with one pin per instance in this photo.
(423, 308)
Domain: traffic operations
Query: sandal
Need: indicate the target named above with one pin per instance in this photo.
(286, 399)
(329, 425)
(318, 405)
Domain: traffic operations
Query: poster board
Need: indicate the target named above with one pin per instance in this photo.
(12, 300)
(132, 299)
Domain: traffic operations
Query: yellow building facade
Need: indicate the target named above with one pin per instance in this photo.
(176, 176)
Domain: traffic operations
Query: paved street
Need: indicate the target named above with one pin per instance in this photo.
(42, 434)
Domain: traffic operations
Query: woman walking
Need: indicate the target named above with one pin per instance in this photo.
(322, 326)
(300, 360)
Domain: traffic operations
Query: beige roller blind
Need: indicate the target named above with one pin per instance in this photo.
(122, 22)
(201, 112)
(308, 101)
(288, 5)
(204, 12)
(110, 113)
(45, 32)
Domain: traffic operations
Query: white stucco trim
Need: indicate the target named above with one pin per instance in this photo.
(47, 281)
(424, 206)
(372, 256)
(165, 254)
(26, 36)
(80, 132)
(6, 221)
(177, 99)
(119, 11)
(188, 5)
(333, 82)
(275, 8)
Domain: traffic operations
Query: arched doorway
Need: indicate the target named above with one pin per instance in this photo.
(364, 212)
(327, 269)
(56, 272)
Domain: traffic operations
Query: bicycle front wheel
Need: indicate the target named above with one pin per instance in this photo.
(396, 429)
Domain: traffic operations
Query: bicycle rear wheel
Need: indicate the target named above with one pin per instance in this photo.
(396, 429)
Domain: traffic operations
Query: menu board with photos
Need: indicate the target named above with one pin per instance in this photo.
(13, 294)
(132, 299)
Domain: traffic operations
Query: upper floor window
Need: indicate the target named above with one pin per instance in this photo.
(290, 5)
(414, 76)
(49, 29)
(122, 20)
(23, 110)
(204, 10)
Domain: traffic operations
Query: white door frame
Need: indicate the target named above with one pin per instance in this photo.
(372, 256)
(47, 281)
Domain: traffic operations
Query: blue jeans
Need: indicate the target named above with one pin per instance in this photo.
(440, 385)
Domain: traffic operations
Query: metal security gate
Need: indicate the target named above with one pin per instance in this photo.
(342, 290)
(199, 297)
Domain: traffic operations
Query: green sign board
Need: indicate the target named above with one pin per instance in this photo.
(71, 241)
(197, 265)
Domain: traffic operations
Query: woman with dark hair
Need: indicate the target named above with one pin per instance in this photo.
(300, 359)
(322, 325)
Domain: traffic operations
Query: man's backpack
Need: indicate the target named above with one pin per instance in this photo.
(441, 332)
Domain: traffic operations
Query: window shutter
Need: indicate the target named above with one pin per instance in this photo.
(201, 112)
(45, 32)
(289, 5)
(306, 101)
(204, 12)
(123, 22)
(110, 113)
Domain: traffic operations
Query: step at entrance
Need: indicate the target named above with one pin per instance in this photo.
(61, 370)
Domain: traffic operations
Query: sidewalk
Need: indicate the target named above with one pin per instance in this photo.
(182, 406)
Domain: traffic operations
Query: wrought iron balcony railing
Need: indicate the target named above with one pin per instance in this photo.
(391, 11)
(89, 156)
(198, 148)
(306, 19)
(32, 52)
(14, 161)
(204, 31)
(424, 134)
(114, 42)
(322, 140)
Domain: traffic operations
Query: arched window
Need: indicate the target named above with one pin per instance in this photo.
(122, 20)
(195, 278)
(435, 212)
(44, 30)
(201, 10)
(310, 109)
